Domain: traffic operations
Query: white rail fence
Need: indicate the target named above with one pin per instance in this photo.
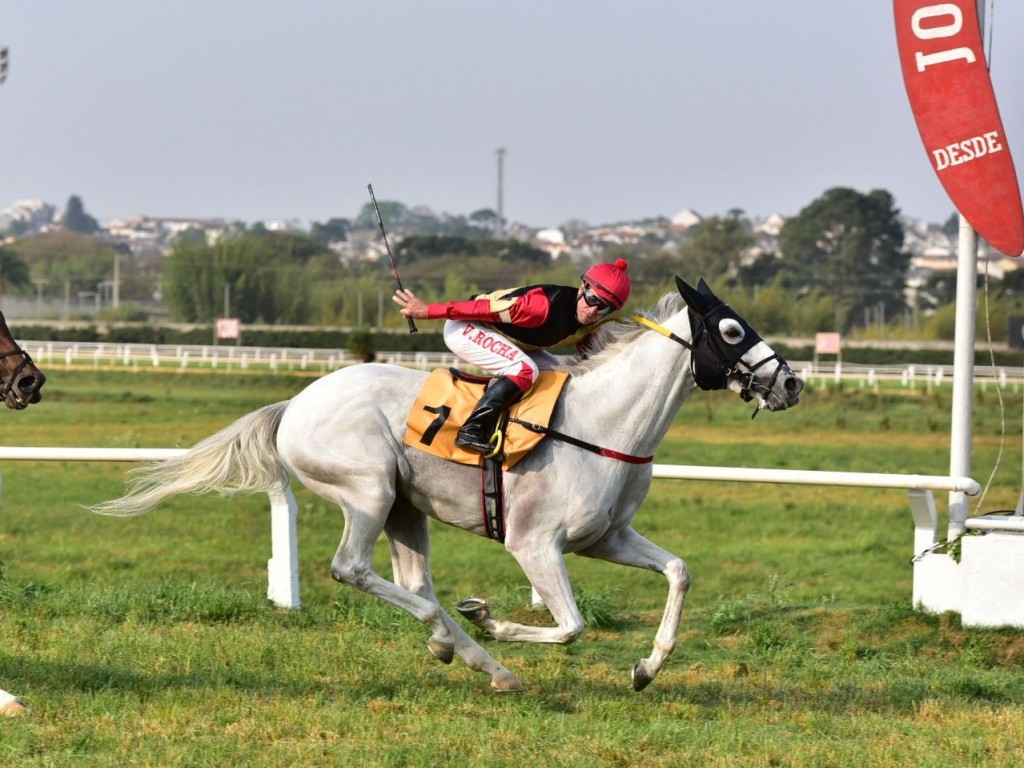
(186, 357)
(283, 566)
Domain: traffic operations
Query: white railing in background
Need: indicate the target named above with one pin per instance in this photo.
(186, 357)
(216, 357)
(283, 566)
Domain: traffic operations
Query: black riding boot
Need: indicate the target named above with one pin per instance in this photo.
(479, 428)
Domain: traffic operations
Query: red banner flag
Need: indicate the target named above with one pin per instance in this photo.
(951, 94)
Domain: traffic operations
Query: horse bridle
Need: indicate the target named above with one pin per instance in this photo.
(713, 364)
(8, 386)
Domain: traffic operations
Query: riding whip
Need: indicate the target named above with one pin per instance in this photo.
(394, 269)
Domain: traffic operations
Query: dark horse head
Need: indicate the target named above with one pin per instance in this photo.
(729, 354)
(20, 381)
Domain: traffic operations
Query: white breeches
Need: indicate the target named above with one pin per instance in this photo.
(489, 351)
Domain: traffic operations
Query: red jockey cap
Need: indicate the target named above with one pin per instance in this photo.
(610, 281)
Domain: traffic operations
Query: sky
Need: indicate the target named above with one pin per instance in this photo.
(607, 111)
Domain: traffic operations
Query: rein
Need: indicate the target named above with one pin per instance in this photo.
(608, 452)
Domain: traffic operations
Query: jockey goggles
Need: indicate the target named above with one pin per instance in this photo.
(591, 299)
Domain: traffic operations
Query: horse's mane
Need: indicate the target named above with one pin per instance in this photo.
(615, 334)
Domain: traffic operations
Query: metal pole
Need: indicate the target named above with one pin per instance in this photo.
(963, 359)
(963, 372)
(500, 229)
(116, 298)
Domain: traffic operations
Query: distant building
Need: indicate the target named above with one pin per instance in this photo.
(551, 240)
(32, 213)
(685, 219)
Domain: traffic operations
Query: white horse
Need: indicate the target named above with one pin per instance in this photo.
(342, 438)
(20, 386)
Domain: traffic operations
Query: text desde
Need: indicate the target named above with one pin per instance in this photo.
(964, 151)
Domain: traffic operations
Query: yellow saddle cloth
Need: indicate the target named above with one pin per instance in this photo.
(445, 401)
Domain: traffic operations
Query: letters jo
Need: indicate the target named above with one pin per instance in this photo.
(944, 21)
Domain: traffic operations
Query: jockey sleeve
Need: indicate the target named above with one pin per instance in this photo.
(534, 316)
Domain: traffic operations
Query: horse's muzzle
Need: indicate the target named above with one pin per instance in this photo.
(792, 386)
(26, 390)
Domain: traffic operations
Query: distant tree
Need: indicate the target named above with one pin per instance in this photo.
(715, 247)
(18, 227)
(1013, 282)
(332, 231)
(14, 273)
(416, 247)
(514, 250)
(394, 215)
(79, 262)
(952, 225)
(850, 246)
(75, 219)
(265, 273)
(419, 247)
(651, 270)
(485, 219)
(760, 271)
(940, 288)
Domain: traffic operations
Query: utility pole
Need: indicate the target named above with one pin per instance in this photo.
(499, 230)
(39, 282)
(116, 289)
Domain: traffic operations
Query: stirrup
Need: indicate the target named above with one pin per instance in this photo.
(497, 440)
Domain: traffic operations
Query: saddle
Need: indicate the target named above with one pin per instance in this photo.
(446, 400)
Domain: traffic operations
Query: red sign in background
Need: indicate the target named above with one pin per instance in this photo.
(228, 328)
(947, 80)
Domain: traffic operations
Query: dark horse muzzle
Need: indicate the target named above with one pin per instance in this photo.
(21, 381)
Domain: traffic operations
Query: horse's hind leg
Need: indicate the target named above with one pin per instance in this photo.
(11, 705)
(627, 547)
(409, 539)
(366, 511)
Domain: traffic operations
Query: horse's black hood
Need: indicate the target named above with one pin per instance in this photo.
(714, 357)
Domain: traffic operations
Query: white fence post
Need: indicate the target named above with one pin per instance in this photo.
(283, 566)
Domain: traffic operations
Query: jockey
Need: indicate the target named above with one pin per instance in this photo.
(507, 333)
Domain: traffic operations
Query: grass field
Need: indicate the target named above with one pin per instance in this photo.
(149, 641)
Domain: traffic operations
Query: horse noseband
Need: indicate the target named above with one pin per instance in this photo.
(8, 386)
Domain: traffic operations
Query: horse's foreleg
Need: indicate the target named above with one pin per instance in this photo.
(409, 539)
(627, 547)
(544, 566)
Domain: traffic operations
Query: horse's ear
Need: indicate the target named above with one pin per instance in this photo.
(704, 288)
(694, 298)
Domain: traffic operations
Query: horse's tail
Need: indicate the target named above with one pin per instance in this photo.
(241, 458)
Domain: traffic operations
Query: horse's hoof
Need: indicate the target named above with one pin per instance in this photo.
(473, 609)
(508, 683)
(641, 679)
(444, 651)
(12, 707)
